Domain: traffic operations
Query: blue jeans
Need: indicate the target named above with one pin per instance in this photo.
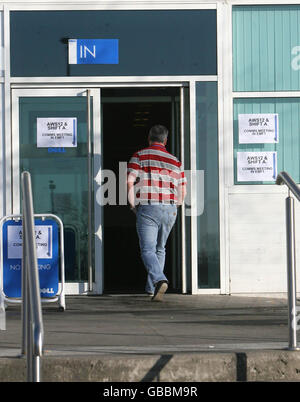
(154, 224)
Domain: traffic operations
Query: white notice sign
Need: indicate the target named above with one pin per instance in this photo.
(56, 132)
(43, 236)
(258, 128)
(256, 166)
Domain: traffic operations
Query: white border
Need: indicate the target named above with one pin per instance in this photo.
(263, 2)
(112, 5)
(2, 156)
(135, 5)
(224, 21)
(193, 165)
(1, 45)
(7, 210)
(275, 94)
(227, 167)
(100, 81)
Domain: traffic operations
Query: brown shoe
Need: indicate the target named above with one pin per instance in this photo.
(160, 289)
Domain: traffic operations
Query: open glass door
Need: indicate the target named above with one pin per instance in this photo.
(56, 137)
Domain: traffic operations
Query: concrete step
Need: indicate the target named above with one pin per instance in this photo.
(262, 365)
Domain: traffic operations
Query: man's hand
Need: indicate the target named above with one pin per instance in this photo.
(133, 209)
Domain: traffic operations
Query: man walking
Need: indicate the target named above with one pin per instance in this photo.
(156, 187)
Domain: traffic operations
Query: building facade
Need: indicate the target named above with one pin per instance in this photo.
(82, 83)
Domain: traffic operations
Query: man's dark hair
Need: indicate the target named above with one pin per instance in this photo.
(158, 133)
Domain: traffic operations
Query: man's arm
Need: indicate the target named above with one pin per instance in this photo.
(181, 193)
(132, 176)
(130, 192)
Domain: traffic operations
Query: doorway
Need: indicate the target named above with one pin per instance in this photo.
(127, 116)
(61, 181)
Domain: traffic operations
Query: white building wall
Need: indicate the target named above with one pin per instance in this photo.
(255, 214)
(2, 152)
(258, 242)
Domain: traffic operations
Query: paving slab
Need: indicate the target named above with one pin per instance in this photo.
(212, 334)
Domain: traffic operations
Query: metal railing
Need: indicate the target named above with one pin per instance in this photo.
(284, 178)
(31, 306)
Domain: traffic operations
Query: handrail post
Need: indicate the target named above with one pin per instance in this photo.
(285, 178)
(24, 293)
(291, 272)
(32, 311)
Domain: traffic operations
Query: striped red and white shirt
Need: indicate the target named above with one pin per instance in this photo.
(157, 175)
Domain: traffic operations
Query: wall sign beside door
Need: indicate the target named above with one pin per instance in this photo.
(56, 132)
(258, 128)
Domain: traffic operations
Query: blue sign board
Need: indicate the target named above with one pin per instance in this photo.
(93, 51)
(46, 232)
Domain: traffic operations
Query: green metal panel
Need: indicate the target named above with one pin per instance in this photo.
(264, 39)
(288, 148)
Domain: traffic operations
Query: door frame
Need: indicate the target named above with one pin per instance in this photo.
(184, 117)
(179, 112)
(38, 87)
(70, 287)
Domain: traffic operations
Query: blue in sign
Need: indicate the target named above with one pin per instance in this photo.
(47, 252)
(93, 51)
